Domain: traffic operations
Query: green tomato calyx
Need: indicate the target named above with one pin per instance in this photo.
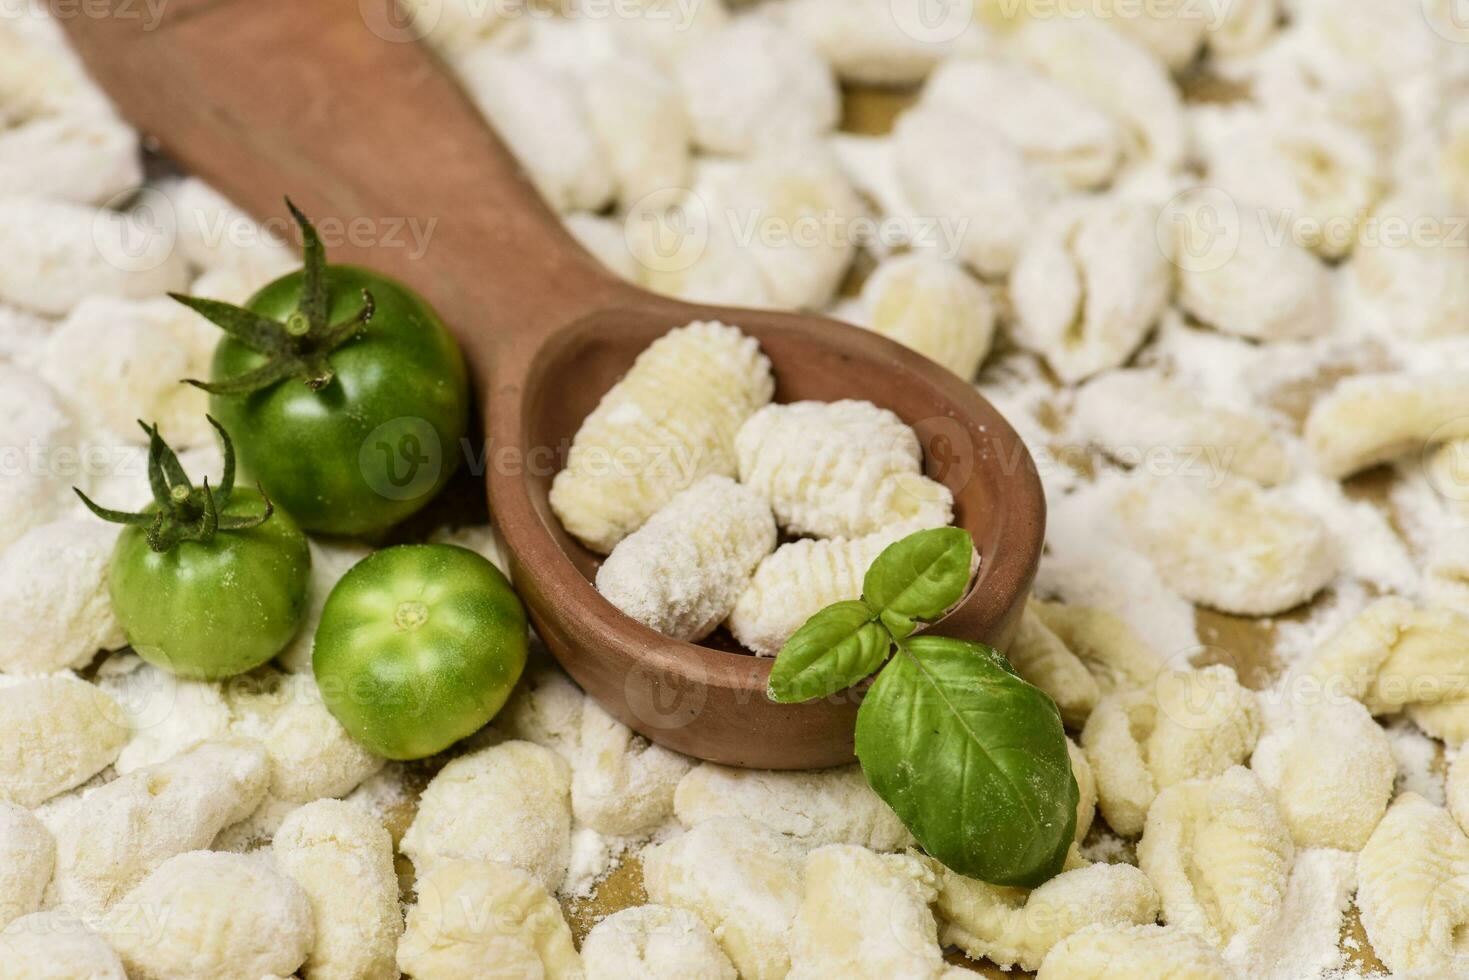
(410, 615)
(298, 347)
(181, 511)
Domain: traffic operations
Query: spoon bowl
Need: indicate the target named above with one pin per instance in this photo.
(339, 105)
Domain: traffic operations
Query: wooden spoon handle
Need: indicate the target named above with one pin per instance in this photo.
(365, 131)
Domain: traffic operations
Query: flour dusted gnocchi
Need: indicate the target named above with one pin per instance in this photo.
(832, 806)
(752, 83)
(546, 708)
(1131, 413)
(1172, 30)
(622, 784)
(165, 714)
(1056, 130)
(1089, 286)
(54, 254)
(55, 946)
(869, 41)
(799, 580)
(1407, 286)
(1013, 927)
(204, 914)
(864, 915)
(840, 469)
(38, 438)
(509, 803)
(1372, 418)
(1039, 656)
(682, 571)
(27, 858)
(1219, 854)
(932, 306)
(1412, 889)
(122, 831)
(650, 942)
(1120, 952)
(53, 597)
(671, 420)
(1328, 798)
(1189, 725)
(1236, 548)
(63, 731)
(1111, 650)
(639, 116)
(483, 918)
(686, 252)
(343, 859)
(742, 880)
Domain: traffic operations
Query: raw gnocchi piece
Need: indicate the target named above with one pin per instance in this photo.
(1235, 548)
(1121, 952)
(1111, 650)
(1407, 287)
(1110, 70)
(829, 806)
(742, 880)
(948, 162)
(53, 597)
(63, 731)
(1235, 278)
(671, 420)
(932, 306)
(682, 571)
(55, 946)
(311, 754)
(639, 116)
(651, 942)
(343, 859)
(840, 469)
(117, 360)
(203, 914)
(1015, 927)
(752, 84)
(1089, 285)
(165, 714)
(27, 858)
(865, 915)
(124, 830)
(799, 580)
(1413, 891)
(53, 254)
(37, 436)
(216, 236)
(544, 120)
(1243, 28)
(870, 41)
(1218, 853)
(1056, 130)
(1456, 790)
(1328, 798)
(686, 252)
(1039, 656)
(1371, 418)
(1086, 790)
(509, 803)
(82, 156)
(1172, 30)
(546, 708)
(622, 784)
(1192, 724)
(1393, 657)
(1132, 413)
(484, 918)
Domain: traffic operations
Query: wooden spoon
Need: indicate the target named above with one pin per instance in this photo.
(336, 104)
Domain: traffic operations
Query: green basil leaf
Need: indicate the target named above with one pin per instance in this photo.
(972, 759)
(834, 650)
(919, 577)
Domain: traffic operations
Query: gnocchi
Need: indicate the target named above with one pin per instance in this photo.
(63, 732)
(1235, 548)
(53, 597)
(868, 41)
(53, 946)
(165, 714)
(622, 784)
(639, 117)
(650, 942)
(1372, 418)
(932, 306)
(27, 860)
(840, 469)
(683, 570)
(1119, 952)
(1039, 656)
(671, 420)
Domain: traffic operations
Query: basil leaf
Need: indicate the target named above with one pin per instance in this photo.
(973, 760)
(834, 650)
(919, 577)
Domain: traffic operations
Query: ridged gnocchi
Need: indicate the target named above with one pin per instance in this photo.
(651, 942)
(682, 572)
(1039, 656)
(1235, 548)
(671, 420)
(1413, 889)
(1113, 952)
(1219, 854)
(1192, 724)
(932, 306)
(1089, 285)
(1372, 418)
(63, 731)
(840, 469)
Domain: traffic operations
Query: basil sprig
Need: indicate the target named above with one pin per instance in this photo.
(971, 757)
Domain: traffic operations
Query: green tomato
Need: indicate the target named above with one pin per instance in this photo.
(418, 647)
(213, 608)
(380, 438)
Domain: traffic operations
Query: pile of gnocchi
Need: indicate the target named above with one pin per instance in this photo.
(1210, 260)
